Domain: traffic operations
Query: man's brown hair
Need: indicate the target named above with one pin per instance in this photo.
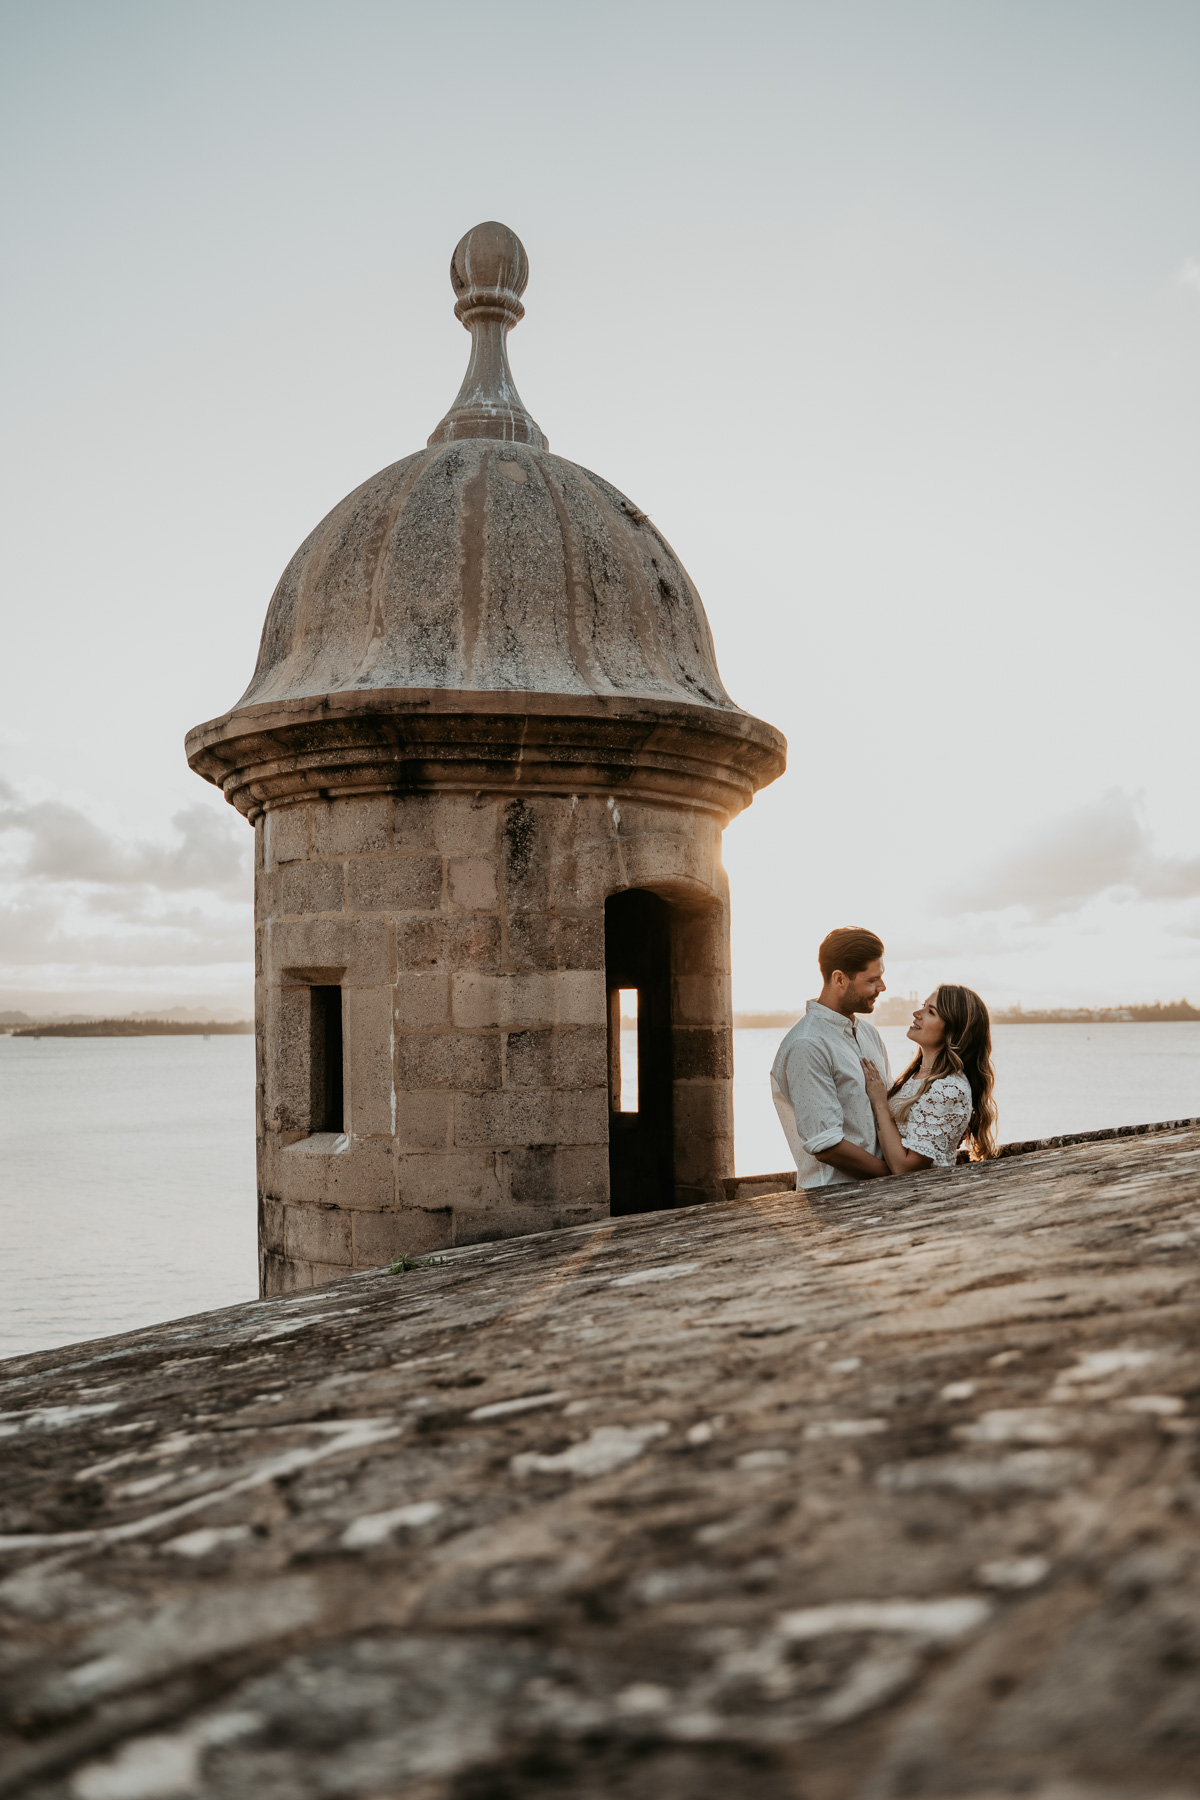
(850, 948)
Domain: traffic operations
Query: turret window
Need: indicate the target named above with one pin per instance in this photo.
(327, 1106)
(637, 955)
(625, 1044)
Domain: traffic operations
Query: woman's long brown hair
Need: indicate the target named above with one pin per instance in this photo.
(965, 1049)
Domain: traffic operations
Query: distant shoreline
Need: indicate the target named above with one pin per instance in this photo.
(127, 1028)
(1177, 1013)
(1131, 1015)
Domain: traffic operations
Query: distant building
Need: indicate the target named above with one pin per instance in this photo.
(488, 758)
(896, 1009)
(1174, 1012)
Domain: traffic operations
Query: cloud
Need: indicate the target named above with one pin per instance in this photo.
(49, 934)
(79, 904)
(1189, 275)
(976, 935)
(212, 852)
(1104, 847)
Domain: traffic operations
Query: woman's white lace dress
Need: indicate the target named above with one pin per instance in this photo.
(936, 1124)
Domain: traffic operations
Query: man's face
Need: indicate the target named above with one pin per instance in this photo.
(864, 989)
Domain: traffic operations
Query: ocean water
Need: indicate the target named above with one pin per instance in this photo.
(127, 1164)
(127, 1189)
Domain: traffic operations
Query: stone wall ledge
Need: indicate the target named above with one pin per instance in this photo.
(764, 1499)
(750, 1187)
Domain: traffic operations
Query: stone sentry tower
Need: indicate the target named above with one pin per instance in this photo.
(488, 757)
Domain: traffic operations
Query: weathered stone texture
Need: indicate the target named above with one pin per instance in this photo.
(887, 1496)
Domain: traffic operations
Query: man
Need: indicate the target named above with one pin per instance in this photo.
(817, 1080)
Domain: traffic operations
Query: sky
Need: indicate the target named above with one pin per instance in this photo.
(888, 314)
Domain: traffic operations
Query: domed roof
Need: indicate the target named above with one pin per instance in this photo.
(486, 580)
(483, 563)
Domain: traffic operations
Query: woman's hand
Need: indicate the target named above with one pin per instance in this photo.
(876, 1086)
(899, 1160)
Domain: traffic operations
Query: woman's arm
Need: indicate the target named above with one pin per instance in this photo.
(899, 1160)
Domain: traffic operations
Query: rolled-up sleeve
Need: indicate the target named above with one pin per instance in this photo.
(813, 1096)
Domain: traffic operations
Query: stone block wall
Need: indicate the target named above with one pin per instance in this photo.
(467, 936)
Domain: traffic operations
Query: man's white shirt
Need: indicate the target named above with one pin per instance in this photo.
(820, 1092)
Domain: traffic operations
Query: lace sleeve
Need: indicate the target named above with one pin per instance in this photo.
(935, 1126)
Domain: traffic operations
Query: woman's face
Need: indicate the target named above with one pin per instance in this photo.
(928, 1027)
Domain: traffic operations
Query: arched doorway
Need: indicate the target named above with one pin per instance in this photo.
(637, 960)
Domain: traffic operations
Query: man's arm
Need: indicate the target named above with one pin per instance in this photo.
(852, 1161)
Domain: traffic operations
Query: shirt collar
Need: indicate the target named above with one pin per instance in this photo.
(827, 1016)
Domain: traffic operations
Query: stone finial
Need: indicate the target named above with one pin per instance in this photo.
(489, 271)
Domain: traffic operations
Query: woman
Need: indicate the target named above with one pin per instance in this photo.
(945, 1094)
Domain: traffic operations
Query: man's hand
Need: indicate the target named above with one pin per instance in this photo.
(852, 1161)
